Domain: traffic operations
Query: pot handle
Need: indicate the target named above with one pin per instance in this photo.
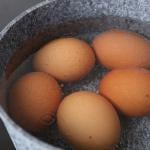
(5, 140)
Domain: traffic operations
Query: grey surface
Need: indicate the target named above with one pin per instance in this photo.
(5, 141)
(83, 18)
(11, 8)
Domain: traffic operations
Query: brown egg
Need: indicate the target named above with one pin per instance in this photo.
(88, 121)
(66, 59)
(122, 49)
(33, 100)
(128, 90)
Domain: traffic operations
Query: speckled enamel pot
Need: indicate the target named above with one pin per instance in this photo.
(54, 18)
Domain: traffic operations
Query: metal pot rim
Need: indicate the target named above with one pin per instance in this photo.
(11, 126)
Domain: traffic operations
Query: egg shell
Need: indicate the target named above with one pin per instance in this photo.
(66, 59)
(128, 90)
(88, 121)
(116, 49)
(33, 100)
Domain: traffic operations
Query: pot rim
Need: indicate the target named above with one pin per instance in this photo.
(12, 127)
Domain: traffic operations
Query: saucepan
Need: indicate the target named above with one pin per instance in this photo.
(52, 19)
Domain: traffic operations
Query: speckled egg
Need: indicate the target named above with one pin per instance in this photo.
(128, 90)
(88, 121)
(33, 100)
(66, 59)
(122, 49)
